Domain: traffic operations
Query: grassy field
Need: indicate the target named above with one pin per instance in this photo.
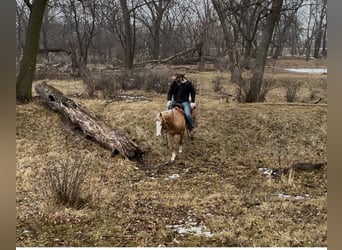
(215, 194)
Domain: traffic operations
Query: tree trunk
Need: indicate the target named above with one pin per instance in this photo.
(44, 35)
(201, 64)
(129, 47)
(324, 46)
(90, 125)
(317, 45)
(320, 30)
(256, 93)
(29, 60)
(236, 76)
(159, 8)
(156, 43)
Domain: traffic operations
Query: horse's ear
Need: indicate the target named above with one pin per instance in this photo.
(160, 114)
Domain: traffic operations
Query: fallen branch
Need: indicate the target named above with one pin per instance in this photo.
(90, 125)
(165, 60)
(300, 166)
(54, 50)
(289, 104)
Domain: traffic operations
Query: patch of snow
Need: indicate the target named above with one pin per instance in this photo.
(297, 197)
(283, 195)
(190, 226)
(266, 171)
(310, 71)
(191, 230)
(131, 97)
(173, 176)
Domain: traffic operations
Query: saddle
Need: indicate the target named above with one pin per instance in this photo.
(181, 107)
(177, 105)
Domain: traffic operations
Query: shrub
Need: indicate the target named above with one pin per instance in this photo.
(89, 80)
(153, 79)
(157, 80)
(291, 89)
(108, 85)
(51, 72)
(217, 83)
(221, 63)
(244, 89)
(64, 179)
(113, 84)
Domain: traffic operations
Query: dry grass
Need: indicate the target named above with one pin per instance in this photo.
(218, 186)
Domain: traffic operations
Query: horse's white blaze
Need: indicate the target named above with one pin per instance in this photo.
(158, 128)
(173, 157)
(180, 150)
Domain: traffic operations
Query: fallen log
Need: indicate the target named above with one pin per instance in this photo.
(299, 166)
(90, 125)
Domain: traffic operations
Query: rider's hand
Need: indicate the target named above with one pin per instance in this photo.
(192, 105)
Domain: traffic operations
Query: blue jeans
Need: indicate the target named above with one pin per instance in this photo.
(187, 111)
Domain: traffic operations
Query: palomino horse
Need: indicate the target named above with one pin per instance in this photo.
(174, 122)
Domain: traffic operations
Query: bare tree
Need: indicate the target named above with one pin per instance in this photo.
(129, 37)
(137, 32)
(28, 62)
(22, 17)
(45, 30)
(315, 27)
(151, 16)
(256, 92)
(80, 18)
(324, 42)
(111, 23)
(282, 30)
(245, 18)
(174, 35)
(232, 51)
(321, 29)
(203, 10)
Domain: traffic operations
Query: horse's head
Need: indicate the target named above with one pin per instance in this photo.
(164, 117)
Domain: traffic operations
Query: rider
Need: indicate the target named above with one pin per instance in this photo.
(180, 91)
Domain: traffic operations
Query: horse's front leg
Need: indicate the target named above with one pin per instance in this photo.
(181, 136)
(173, 147)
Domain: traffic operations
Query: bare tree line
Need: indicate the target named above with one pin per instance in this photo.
(131, 32)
